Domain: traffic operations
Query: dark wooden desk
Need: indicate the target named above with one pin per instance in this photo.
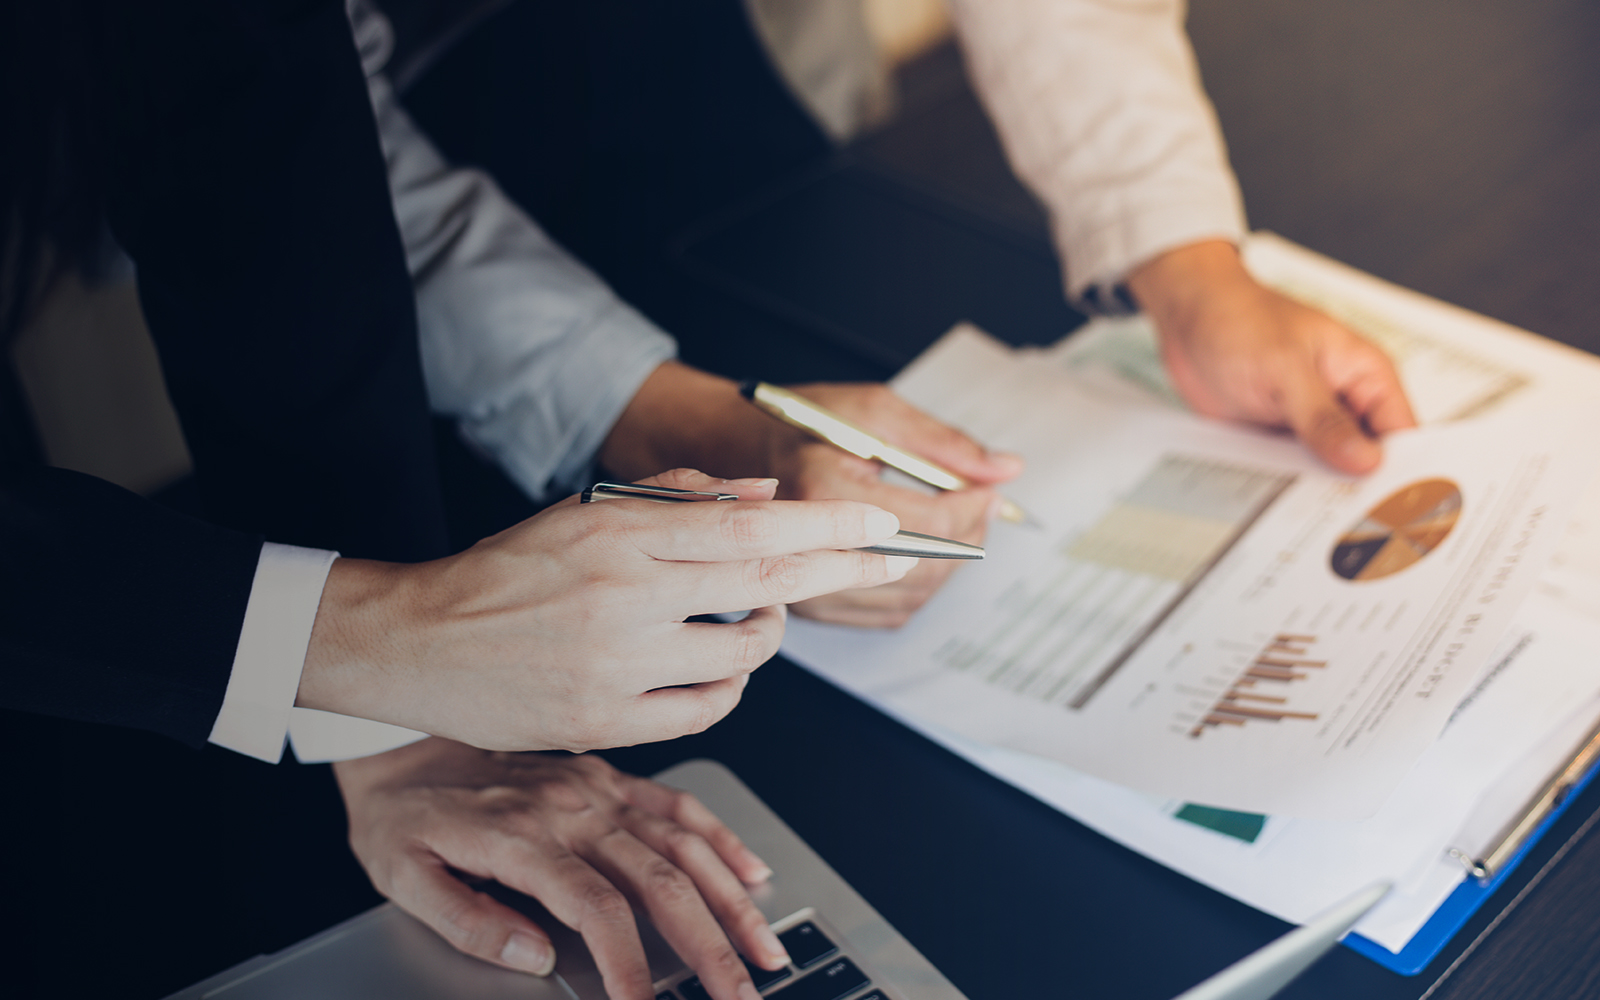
(1452, 147)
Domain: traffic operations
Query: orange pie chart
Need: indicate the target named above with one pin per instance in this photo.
(1400, 531)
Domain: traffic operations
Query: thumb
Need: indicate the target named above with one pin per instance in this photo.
(1320, 419)
(473, 922)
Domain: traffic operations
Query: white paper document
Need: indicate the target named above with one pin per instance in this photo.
(1212, 617)
(1210, 613)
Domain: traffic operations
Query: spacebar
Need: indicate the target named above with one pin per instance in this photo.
(838, 978)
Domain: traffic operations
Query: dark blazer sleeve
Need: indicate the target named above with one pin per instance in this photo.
(116, 609)
(249, 187)
(246, 181)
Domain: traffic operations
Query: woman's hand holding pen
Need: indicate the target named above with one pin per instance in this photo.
(568, 632)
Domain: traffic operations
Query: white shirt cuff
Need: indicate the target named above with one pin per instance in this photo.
(320, 737)
(272, 650)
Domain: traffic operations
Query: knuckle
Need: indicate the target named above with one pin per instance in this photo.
(1329, 421)
(748, 527)
(681, 843)
(711, 708)
(602, 902)
(753, 645)
(721, 962)
(776, 577)
(470, 930)
(681, 805)
(667, 883)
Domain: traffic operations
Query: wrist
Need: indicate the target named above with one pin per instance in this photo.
(682, 417)
(355, 641)
(1179, 285)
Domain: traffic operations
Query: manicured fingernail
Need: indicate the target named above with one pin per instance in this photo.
(770, 945)
(761, 872)
(748, 992)
(881, 524)
(900, 565)
(528, 953)
(752, 482)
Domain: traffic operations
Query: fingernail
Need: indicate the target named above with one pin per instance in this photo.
(747, 991)
(528, 953)
(881, 524)
(752, 482)
(759, 874)
(1007, 460)
(771, 945)
(900, 565)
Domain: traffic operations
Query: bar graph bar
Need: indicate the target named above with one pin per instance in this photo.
(1283, 661)
(1060, 635)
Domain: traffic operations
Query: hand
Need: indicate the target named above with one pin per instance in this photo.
(568, 631)
(578, 835)
(807, 468)
(684, 416)
(1238, 350)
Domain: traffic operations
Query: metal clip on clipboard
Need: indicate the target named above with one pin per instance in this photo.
(1546, 802)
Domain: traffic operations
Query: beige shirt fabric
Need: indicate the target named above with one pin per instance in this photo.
(1100, 107)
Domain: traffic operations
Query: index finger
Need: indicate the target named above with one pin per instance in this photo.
(1323, 422)
(741, 530)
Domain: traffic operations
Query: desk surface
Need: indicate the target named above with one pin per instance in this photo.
(1449, 147)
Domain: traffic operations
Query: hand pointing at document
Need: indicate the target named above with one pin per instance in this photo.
(568, 630)
(1238, 350)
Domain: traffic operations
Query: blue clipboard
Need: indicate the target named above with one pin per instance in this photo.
(1459, 907)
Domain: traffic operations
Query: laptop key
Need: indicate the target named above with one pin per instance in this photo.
(806, 945)
(693, 989)
(766, 977)
(834, 981)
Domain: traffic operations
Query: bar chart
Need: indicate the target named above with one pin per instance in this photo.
(1059, 634)
(1260, 694)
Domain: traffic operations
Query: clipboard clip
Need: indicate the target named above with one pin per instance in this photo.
(1517, 834)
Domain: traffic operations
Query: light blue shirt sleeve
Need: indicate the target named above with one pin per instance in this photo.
(531, 353)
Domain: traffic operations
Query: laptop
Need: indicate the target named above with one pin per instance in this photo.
(841, 948)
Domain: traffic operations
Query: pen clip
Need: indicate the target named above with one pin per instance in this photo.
(658, 494)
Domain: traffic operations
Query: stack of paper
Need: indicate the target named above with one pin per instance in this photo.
(1280, 681)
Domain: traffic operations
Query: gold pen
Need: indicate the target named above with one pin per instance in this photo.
(825, 425)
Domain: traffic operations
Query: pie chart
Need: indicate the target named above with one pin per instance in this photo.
(1400, 531)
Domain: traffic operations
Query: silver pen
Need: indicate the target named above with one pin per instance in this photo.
(904, 543)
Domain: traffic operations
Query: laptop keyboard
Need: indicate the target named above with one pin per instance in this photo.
(818, 969)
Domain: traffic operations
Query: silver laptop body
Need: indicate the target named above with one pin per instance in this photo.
(386, 953)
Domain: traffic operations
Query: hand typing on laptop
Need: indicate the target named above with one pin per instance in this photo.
(580, 836)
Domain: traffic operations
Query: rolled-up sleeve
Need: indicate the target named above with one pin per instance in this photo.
(1100, 106)
(533, 354)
